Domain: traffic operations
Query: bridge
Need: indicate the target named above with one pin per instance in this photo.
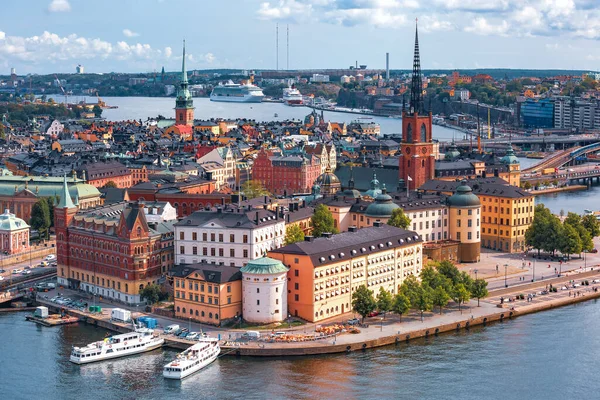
(540, 143)
(564, 157)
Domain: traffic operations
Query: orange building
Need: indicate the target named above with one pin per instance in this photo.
(324, 272)
(207, 293)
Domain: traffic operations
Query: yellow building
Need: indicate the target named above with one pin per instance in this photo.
(207, 293)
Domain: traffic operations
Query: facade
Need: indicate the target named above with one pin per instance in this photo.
(325, 271)
(100, 173)
(219, 165)
(417, 157)
(286, 174)
(206, 293)
(573, 113)
(264, 291)
(184, 105)
(227, 236)
(465, 214)
(537, 114)
(111, 251)
(14, 234)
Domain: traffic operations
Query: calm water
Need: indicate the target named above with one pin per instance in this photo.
(551, 355)
(144, 107)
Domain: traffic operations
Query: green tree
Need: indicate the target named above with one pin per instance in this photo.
(293, 234)
(151, 293)
(253, 189)
(573, 219)
(591, 225)
(399, 219)
(401, 305)
(109, 184)
(40, 217)
(97, 110)
(385, 301)
(440, 297)
(479, 289)
(460, 295)
(322, 221)
(449, 270)
(410, 288)
(51, 201)
(424, 299)
(569, 241)
(363, 301)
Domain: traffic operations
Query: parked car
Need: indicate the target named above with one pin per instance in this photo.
(2, 271)
(594, 250)
(17, 271)
(181, 332)
(353, 321)
(50, 257)
(373, 313)
(27, 267)
(192, 336)
(1, 278)
(26, 272)
(171, 329)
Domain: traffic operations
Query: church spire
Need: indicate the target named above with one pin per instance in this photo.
(416, 89)
(183, 71)
(65, 198)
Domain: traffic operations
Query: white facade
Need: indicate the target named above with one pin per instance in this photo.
(221, 164)
(55, 128)
(319, 78)
(264, 296)
(430, 224)
(157, 212)
(219, 240)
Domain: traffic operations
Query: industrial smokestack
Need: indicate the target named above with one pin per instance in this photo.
(387, 66)
(277, 47)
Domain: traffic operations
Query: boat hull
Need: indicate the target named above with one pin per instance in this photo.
(237, 99)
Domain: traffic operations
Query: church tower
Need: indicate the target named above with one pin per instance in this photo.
(63, 214)
(417, 160)
(184, 105)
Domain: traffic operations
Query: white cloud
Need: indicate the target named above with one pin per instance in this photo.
(130, 33)
(481, 26)
(2, 35)
(59, 6)
(168, 52)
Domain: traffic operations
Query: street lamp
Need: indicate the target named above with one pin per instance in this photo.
(585, 259)
(533, 276)
(289, 320)
(476, 271)
(381, 320)
(421, 315)
(505, 274)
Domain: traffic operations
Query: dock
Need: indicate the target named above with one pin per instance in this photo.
(53, 320)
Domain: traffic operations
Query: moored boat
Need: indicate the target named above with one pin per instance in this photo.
(193, 359)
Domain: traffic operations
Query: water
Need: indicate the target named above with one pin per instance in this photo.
(145, 107)
(540, 356)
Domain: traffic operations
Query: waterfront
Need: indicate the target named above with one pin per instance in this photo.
(546, 354)
(145, 107)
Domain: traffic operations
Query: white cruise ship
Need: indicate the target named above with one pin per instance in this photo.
(126, 344)
(292, 96)
(233, 92)
(193, 359)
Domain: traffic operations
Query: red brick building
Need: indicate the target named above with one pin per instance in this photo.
(111, 251)
(286, 174)
(98, 174)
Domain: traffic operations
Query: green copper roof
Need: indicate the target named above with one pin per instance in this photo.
(65, 196)
(264, 266)
(8, 222)
(463, 197)
(510, 157)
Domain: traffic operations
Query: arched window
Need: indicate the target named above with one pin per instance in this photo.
(202, 313)
(139, 232)
(216, 316)
(409, 133)
(178, 309)
(422, 163)
(423, 133)
(210, 315)
(183, 310)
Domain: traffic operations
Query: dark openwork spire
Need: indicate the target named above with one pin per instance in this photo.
(416, 89)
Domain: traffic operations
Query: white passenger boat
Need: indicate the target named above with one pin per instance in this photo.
(193, 359)
(126, 344)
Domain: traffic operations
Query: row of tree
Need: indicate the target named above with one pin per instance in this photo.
(42, 215)
(440, 283)
(572, 236)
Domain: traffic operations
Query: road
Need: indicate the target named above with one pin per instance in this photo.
(7, 273)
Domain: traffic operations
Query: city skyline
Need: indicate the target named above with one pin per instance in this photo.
(135, 36)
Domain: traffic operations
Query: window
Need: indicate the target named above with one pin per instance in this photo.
(470, 223)
(204, 237)
(296, 285)
(194, 236)
(212, 237)
(228, 288)
(181, 249)
(232, 238)
(245, 253)
(210, 289)
(231, 252)
(257, 290)
(469, 235)
(258, 302)
(245, 240)
(296, 272)
(194, 250)
(296, 261)
(296, 297)
(220, 252)
(457, 235)
(212, 251)
(458, 223)
(181, 235)
(220, 237)
(205, 251)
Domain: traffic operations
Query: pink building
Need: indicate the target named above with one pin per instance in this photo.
(14, 234)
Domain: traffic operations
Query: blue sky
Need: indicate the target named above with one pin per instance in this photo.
(44, 36)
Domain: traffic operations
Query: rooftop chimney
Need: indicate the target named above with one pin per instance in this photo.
(327, 234)
(352, 229)
(377, 224)
(309, 238)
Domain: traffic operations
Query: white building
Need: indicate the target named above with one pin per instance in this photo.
(264, 291)
(229, 236)
(159, 211)
(220, 165)
(55, 128)
(79, 69)
(14, 234)
(576, 113)
(318, 78)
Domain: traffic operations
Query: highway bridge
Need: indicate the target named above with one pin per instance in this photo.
(536, 143)
(573, 156)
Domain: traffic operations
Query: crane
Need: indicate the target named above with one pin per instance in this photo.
(63, 90)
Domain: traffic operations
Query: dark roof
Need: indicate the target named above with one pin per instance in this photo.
(484, 186)
(363, 177)
(113, 195)
(344, 246)
(231, 218)
(207, 272)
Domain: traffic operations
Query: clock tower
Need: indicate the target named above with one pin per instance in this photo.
(417, 161)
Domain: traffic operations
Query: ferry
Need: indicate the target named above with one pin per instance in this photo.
(193, 359)
(237, 93)
(126, 344)
(292, 96)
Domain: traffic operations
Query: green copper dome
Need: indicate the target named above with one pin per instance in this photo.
(452, 153)
(463, 197)
(382, 206)
(510, 157)
(264, 266)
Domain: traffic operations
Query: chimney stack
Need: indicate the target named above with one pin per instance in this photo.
(309, 238)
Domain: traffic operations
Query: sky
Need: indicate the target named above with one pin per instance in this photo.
(54, 36)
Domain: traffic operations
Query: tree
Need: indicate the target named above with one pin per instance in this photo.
(410, 288)
(384, 301)
(363, 302)
(97, 110)
(424, 299)
(109, 184)
(569, 241)
(2, 131)
(401, 304)
(591, 225)
(40, 217)
(51, 201)
(449, 270)
(322, 221)
(399, 219)
(151, 293)
(253, 189)
(461, 295)
(293, 234)
(440, 297)
(573, 219)
(479, 289)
